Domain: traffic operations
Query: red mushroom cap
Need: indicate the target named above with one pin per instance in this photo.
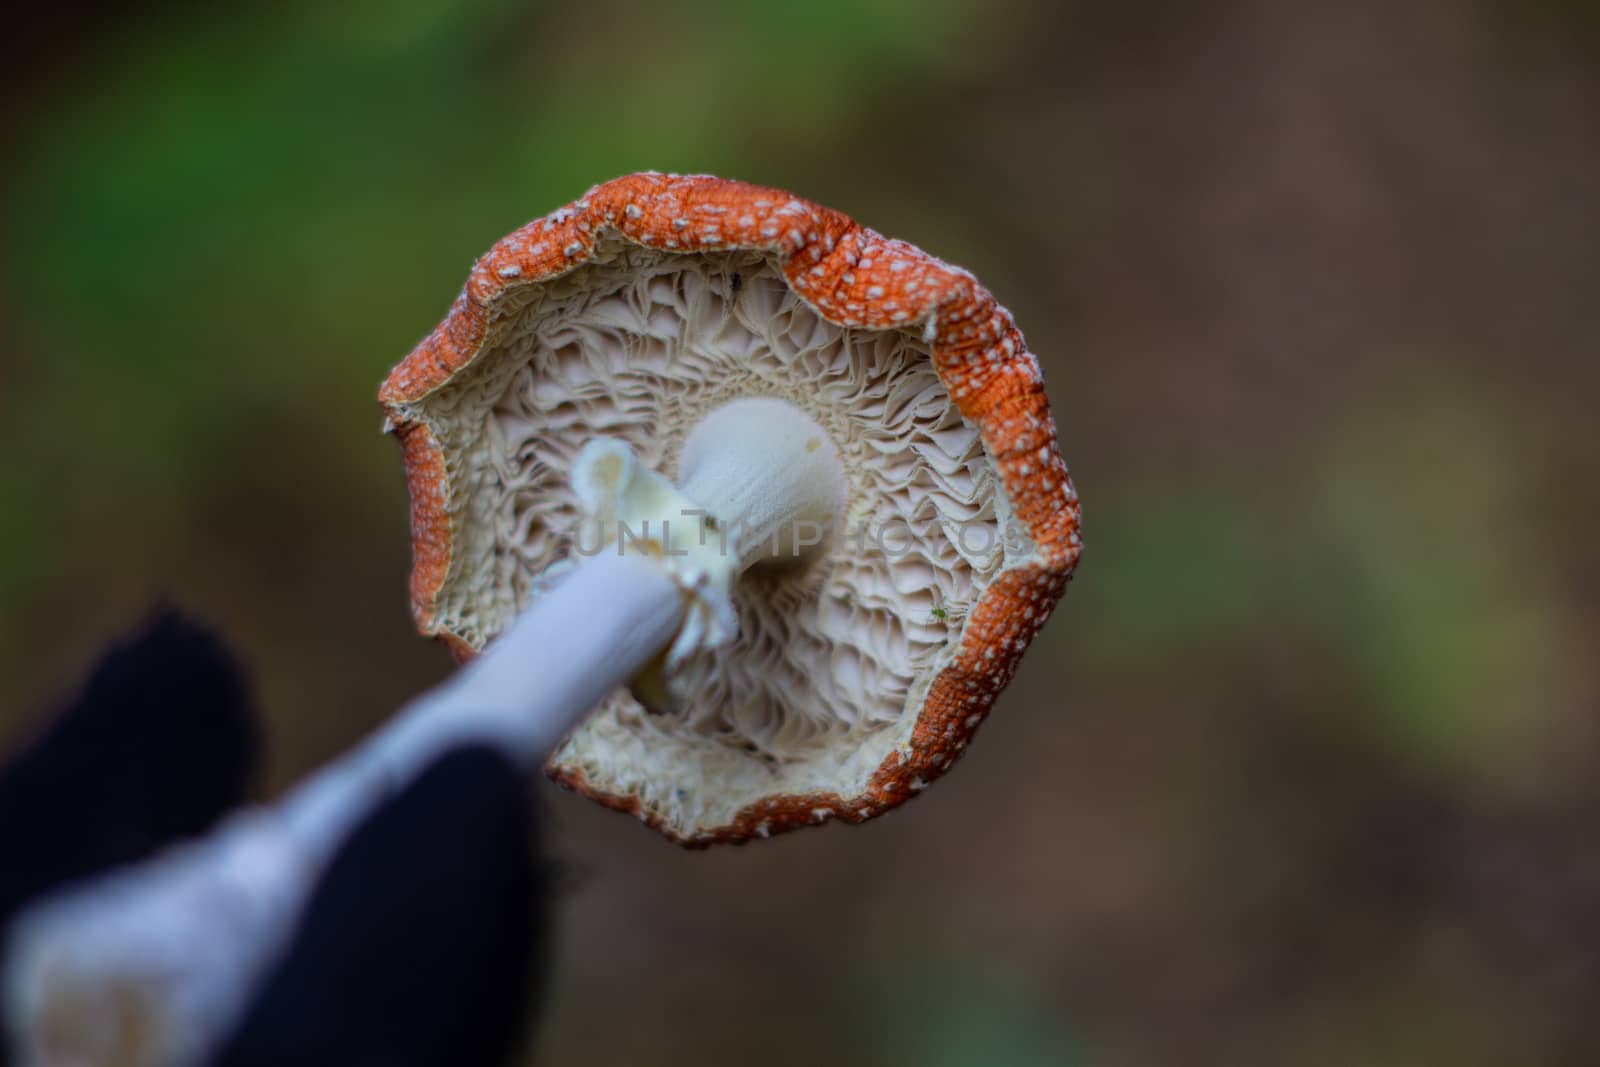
(859, 285)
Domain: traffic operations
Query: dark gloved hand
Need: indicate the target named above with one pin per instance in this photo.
(158, 745)
(423, 939)
(421, 944)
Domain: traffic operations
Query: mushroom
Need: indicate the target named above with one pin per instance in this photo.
(836, 445)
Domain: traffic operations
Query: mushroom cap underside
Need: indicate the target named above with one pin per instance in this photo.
(859, 677)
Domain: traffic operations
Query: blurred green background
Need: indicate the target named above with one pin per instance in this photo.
(1303, 771)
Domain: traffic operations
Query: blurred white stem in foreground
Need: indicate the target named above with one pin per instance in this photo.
(153, 965)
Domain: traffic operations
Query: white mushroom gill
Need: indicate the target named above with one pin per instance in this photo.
(833, 657)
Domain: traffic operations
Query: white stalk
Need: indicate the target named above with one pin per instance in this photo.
(154, 965)
(760, 482)
(769, 474)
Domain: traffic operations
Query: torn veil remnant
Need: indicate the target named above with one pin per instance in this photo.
(838, 446)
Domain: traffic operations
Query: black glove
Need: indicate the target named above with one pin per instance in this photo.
(423, 943)
(159, 744)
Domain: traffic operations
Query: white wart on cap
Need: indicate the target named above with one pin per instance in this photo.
(693, 327)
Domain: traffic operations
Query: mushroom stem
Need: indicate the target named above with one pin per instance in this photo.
(769, 473)
(580, 641)
(761, 482)
(189, 934)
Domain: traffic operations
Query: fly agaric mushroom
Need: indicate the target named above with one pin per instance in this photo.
(865, 420)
